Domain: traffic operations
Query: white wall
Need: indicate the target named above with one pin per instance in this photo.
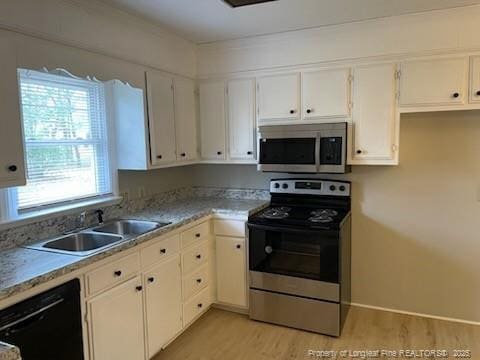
(442, 30)
(91, 25)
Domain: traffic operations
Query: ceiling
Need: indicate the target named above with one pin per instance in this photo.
(204, 21)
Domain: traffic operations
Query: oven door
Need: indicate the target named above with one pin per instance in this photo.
(306, 254)
(294, 152)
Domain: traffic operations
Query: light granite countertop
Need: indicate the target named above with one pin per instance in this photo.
(9, 352)
(22, 268)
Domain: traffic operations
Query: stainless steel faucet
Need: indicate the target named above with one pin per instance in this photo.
(81, 220)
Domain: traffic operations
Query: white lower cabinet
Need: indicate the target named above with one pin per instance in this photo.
(231, 271)
(163, 302)
(116, 323)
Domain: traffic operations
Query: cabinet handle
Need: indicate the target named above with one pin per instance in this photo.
(159, 156)
(151, 279)
(117, 273)
(199, 256)
(359, 151)
(239, 246)
(292, 111)
(249, 152)
(199, 281)
(139, 288)
(163, 251)
(12, 168)
(456, 95)
(478, 93)
(197, 235)
(200, 305)
(309, 111)
(183, 154)
(219, 153)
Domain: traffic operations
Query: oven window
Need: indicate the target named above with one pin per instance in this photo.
(293, 151)
(307, 255)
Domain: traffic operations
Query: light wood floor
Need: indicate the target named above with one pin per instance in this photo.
(229, 336)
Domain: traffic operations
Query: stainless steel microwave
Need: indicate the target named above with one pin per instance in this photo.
(309, 148)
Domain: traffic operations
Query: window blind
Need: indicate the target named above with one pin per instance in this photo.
(65, 137)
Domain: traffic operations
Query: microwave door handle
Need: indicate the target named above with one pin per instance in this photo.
(317, 151)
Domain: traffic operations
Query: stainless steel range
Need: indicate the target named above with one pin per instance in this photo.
(299, 256)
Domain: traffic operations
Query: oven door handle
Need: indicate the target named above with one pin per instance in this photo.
(289, 230)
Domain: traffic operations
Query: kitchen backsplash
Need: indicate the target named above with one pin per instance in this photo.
(19, 235)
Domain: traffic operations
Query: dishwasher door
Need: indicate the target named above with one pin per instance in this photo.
(47, 326)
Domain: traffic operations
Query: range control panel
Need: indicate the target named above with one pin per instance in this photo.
(310, 186)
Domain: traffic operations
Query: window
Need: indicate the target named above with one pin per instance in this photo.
(66, 143)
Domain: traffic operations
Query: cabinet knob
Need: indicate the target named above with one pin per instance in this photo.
(478, 93)
(239, 246)
(359, 151)
(249, 152)
(183, 154)
(159, 156)
(456, 95)
(309, 111)
(12, 168)
(117, 273)
(199, 281)
(139, 288)
(151, 279)
(200, 305)
(199, 256)
(197, 235)
(292, 111)
(163, 251)
(219, 153)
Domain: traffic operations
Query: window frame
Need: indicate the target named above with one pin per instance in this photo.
(9, 211)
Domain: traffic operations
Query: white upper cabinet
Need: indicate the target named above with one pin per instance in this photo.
(212, 120)
(475, 79)
(374, 117)
(434, 82)
(12, 165)
(161, 117)
(163, 303)
(326, 94)
(241, 118)
(185, 119)
(278, 97)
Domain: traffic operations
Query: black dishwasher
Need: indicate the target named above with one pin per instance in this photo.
(47, 326)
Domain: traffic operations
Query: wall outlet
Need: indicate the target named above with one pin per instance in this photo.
(125, 194)
(142, 192)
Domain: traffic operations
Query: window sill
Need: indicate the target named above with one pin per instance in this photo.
(36, 216)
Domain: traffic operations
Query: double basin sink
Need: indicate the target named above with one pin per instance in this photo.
(98, 238)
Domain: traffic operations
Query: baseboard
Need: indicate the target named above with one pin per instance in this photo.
(416, 314)
(235, 309)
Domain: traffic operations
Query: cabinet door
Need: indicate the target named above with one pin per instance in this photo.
(326, 93)
(116, 323)
(161, 118)
(185, 120)
(433, 82)
(212, 120)
(12, 166)
(475, 79)
(374, 115)
(278, 97)
(231, 271)
(163, 303)
(241, 118)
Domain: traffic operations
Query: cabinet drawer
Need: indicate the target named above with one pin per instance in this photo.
(230, 228)
(194, 257)
(194, 307)
(113, 273)
(160, 250)
(195, 234)
(195, 282)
